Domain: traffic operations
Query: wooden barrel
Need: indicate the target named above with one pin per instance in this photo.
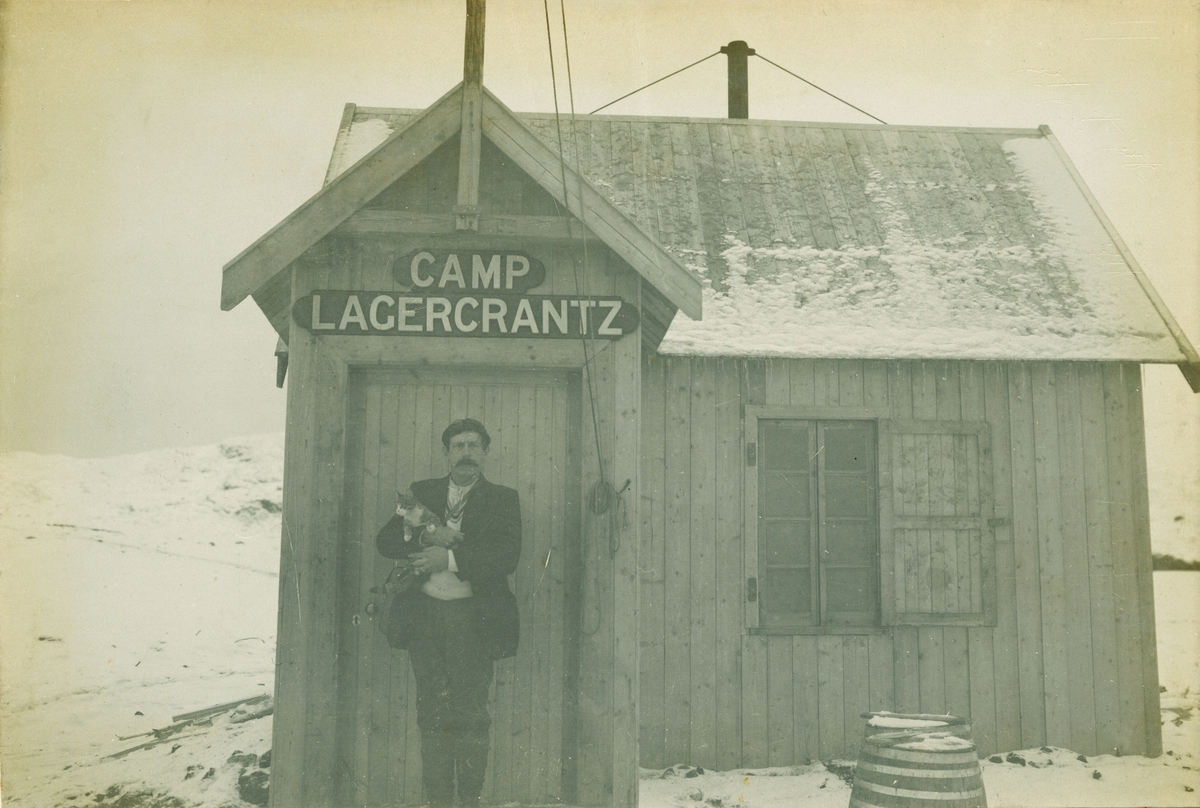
(917, 768)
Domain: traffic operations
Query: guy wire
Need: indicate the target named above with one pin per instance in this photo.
(588, 370)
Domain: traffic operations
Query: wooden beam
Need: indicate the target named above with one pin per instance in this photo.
(334, 203)
(369, 222)
(617, 230)
(473, 45)
(467, 209)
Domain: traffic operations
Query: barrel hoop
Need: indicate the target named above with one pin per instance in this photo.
(936, 759)
(919, 774)
(920, 795)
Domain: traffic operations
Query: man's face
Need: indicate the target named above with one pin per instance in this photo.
(466, 455)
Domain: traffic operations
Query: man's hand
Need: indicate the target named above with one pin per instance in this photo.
(431, 559)
(442, 536)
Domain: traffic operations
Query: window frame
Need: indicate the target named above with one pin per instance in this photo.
(886, 549)
(754, 414)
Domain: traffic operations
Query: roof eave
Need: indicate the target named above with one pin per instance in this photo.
(334, 203)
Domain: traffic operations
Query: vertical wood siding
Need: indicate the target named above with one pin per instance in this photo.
(394, 423)
(1070, 658)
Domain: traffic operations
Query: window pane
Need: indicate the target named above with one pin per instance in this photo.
(848, 448)
(787, 591)
(850, 590)
(848, 496)
(849, 543)
(784, 444)
(784, 542)
(784, 495)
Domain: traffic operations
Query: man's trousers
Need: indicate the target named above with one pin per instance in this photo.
(453, 678)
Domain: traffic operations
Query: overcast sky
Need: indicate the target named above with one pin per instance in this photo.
(147, 143)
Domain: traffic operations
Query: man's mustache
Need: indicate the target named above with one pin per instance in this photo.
(466, 461)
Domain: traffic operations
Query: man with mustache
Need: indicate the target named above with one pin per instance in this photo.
(463, 616)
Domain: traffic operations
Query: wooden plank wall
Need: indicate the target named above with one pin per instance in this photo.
(1070, 661)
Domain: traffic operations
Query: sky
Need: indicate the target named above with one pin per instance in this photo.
(145, 144)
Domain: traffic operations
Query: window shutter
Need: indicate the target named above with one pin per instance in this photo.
(937, 549)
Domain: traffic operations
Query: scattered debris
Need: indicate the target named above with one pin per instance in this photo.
(1096, 775)
(248, 711)
(1013, 757)
(253, 787)
(218, 708)
(843, 769)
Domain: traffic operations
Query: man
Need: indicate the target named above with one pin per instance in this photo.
(463, 616)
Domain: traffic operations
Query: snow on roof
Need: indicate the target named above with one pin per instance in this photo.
(865, 241)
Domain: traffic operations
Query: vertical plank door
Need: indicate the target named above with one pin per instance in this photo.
(395, 420)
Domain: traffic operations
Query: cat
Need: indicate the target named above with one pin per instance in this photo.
(416, 516)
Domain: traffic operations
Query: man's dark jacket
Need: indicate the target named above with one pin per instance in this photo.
(487, 554)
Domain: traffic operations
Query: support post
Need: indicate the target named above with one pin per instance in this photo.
(739, 80)
(466, 212)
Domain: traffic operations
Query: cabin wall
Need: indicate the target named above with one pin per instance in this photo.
(1070, 660)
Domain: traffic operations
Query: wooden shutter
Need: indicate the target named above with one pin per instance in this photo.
(937, 549)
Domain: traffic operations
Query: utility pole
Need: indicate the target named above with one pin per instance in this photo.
(471, 137)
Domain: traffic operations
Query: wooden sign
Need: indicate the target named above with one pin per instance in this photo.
(354, 313)
(461, 271)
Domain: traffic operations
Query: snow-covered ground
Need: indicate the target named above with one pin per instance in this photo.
(134, 589)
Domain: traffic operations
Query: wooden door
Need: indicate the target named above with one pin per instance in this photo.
(394, 425)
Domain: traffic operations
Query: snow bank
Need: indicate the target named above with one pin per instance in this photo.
(137, 588)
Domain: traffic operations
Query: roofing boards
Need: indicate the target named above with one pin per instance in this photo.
(843, 240)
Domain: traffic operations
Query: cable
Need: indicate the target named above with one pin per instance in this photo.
(567, 217)
(656, 81)
(822, 89)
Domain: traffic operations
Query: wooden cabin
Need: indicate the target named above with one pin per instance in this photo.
(806, 420)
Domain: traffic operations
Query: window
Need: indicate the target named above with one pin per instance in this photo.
(817, 523)
(855, 520)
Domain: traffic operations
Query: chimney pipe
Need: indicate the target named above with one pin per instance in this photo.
(739, 81)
